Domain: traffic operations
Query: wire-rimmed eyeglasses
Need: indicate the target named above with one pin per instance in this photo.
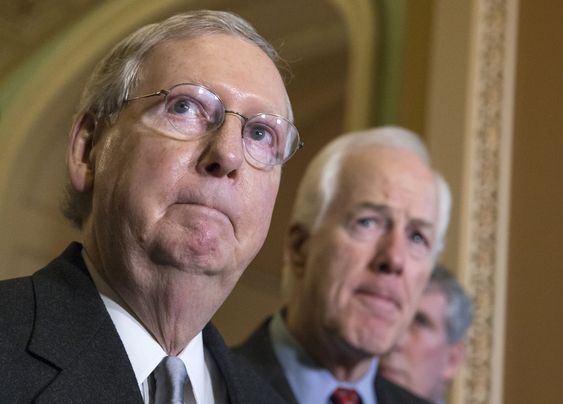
(193, 110)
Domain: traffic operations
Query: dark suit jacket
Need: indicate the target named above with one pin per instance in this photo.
(259, 351)
(58, 344)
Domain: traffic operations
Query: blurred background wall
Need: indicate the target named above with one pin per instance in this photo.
(481, 81)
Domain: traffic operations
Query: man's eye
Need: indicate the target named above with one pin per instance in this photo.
(261, 134)
(418, 238)
(367, 227)
(367, 222)
(421, 320)
(186, 107)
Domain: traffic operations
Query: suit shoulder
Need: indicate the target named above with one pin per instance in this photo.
(244, 384)
(16, 302)
(389, 392)
(255, 389)
(257, 346)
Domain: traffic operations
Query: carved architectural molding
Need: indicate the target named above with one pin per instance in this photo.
(486, 194)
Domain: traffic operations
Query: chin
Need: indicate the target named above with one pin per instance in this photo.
(375, 337)
(189, 258)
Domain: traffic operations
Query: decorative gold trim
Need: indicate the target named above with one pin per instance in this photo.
(486, 196)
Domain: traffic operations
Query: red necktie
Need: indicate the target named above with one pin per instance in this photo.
(345, 396)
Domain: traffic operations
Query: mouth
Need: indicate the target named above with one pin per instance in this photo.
(214, 206)
(379, 296)
(379, 303)
(211, 211)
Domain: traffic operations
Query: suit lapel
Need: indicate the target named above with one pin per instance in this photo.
(74, 333)
(259, 350)
(244, 386)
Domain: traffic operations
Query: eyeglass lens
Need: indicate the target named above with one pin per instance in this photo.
(194, 110)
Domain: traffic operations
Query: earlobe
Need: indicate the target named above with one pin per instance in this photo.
(296, 248)
(80, 159)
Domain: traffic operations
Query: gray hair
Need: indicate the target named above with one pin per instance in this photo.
(459, 312)
(319, 183)
(118, 73)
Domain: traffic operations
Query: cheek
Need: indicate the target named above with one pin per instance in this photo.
(155, 177)
(257, 195)
(259, 192)
(427, 351)
(332, 269)
(416, 278)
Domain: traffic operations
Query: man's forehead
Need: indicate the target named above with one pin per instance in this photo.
(215, 60)
(389, 189)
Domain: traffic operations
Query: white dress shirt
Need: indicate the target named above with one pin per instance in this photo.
(205, 384)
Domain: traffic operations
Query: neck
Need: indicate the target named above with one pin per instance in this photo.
(172, 305)
(343, 361)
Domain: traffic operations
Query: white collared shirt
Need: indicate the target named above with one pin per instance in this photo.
(145, 353)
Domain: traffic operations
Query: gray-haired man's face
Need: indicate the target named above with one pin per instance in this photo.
(368, 262)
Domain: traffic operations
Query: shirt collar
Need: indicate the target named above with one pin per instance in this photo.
(310, 382)
(144, 352)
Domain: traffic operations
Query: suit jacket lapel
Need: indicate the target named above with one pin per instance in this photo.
(244, 386)
(74, 333)
(259, 350)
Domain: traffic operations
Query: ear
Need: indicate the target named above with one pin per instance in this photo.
(456, 356)
(79, 158)
(296, 248)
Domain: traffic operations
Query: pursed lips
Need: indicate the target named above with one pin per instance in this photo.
(378, 293)
(217, 205)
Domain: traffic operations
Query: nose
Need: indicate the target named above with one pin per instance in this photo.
(224, 154)
(390, 253)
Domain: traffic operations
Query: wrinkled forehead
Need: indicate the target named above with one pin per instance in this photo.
(219, 61)
(391, 177)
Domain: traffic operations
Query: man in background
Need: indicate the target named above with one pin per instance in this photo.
(368, 223)
(174, 162)
(429, 353)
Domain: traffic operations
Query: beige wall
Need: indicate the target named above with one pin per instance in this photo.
(534, 335)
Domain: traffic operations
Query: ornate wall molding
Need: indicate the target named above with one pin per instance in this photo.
(485, 202)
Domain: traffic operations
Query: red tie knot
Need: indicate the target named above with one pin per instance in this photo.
(345, 396)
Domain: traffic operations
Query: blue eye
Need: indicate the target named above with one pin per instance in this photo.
(419, 239)
(367, 227)
(185, 106)
(181, 107)
(260, 133)
(367, 221)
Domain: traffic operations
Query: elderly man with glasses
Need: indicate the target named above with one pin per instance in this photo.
(174, 161)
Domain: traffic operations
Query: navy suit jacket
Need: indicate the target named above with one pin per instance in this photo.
(58, 344)
(259, 351)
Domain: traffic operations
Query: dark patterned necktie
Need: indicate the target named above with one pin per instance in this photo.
(170, 377)
(345, 396)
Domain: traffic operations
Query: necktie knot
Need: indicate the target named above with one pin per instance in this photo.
(170, 377)
(345, 396)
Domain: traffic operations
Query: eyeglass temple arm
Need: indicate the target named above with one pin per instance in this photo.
(159, 92)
